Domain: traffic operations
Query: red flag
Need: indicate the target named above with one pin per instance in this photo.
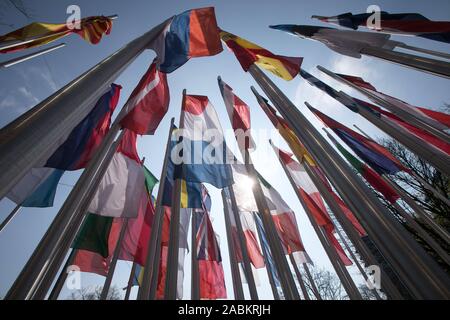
(212, 280)
(148, 103)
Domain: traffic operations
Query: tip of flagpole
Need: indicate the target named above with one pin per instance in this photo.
(310, 107)
(113, 17)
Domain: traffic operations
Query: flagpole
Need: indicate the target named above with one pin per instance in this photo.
(37, 275)
(409, 220)
(418, 210)
(356, 261)
(195, 276)
(299, 277)
(422, 275)
(130, 281)
(54, 294)
(12, 62)
(422, 50)
(269, 270)
(242, 243)
(329, 198)
(29, 140)
(170, 289)
(232, 252)
(11, 215)
(115, 257)
(415, 175)
(432, 66)
(404, 115)
(147, 290)
(312, 282)
(431, 154)
(339, 268)
(11, 44)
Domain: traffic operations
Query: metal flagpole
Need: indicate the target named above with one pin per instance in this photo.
(269, 270)
(12, 62)
(130, 281)
(29, 140)
(9, 217)
(409, 220)
(339, 268)
(408, 117)
(431, 154)
(299, 278)
(235, 274)
(418, 210)
(37, 275)
(312, 282)
(195, 276)
(415, 175)
(115, 257)
(423, 234)
(405, 215)
(286, 279)
(54, 294)
(361, 246)
(432, 66)
(150, 276)
(422, 275)
(355, 259)
(423, 50)
(170, 289)
(11, 44)
(242, 243)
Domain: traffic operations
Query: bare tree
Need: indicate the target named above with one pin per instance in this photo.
(327, 283)
(89, 293)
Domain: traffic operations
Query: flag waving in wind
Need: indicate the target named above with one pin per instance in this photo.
(436, 119)
(193, 33)
(249, 53)
(91, 30)
(148, 102)
(411, 24)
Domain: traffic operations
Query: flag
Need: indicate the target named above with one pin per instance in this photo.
(285, 131)
(148, 103)
(37, 188)
(193, 33)
(91, 30)
(82, 143)
(204, 151)
(419, 133)
(239, 114)
(266, 250)
(436, 119)
(313, 201)
(349, 43)
(249, 53)
(378, 157)
(183, 248)
(249, 230)
(93, 262)
(94, 234)
(120, 190)
(373, 178)
(191, 194)
(137, 234)
(411, 24)
(211, 276)
(285, 222)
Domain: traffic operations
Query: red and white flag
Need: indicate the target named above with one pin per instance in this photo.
(148, 103)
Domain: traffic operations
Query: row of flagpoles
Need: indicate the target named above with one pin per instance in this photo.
(261, 229)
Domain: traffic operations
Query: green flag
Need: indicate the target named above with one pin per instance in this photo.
(94, 234)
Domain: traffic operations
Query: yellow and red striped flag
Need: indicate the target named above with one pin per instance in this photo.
(37, 34)
(249, 53)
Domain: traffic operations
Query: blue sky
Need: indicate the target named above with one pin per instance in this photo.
(24, 85)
